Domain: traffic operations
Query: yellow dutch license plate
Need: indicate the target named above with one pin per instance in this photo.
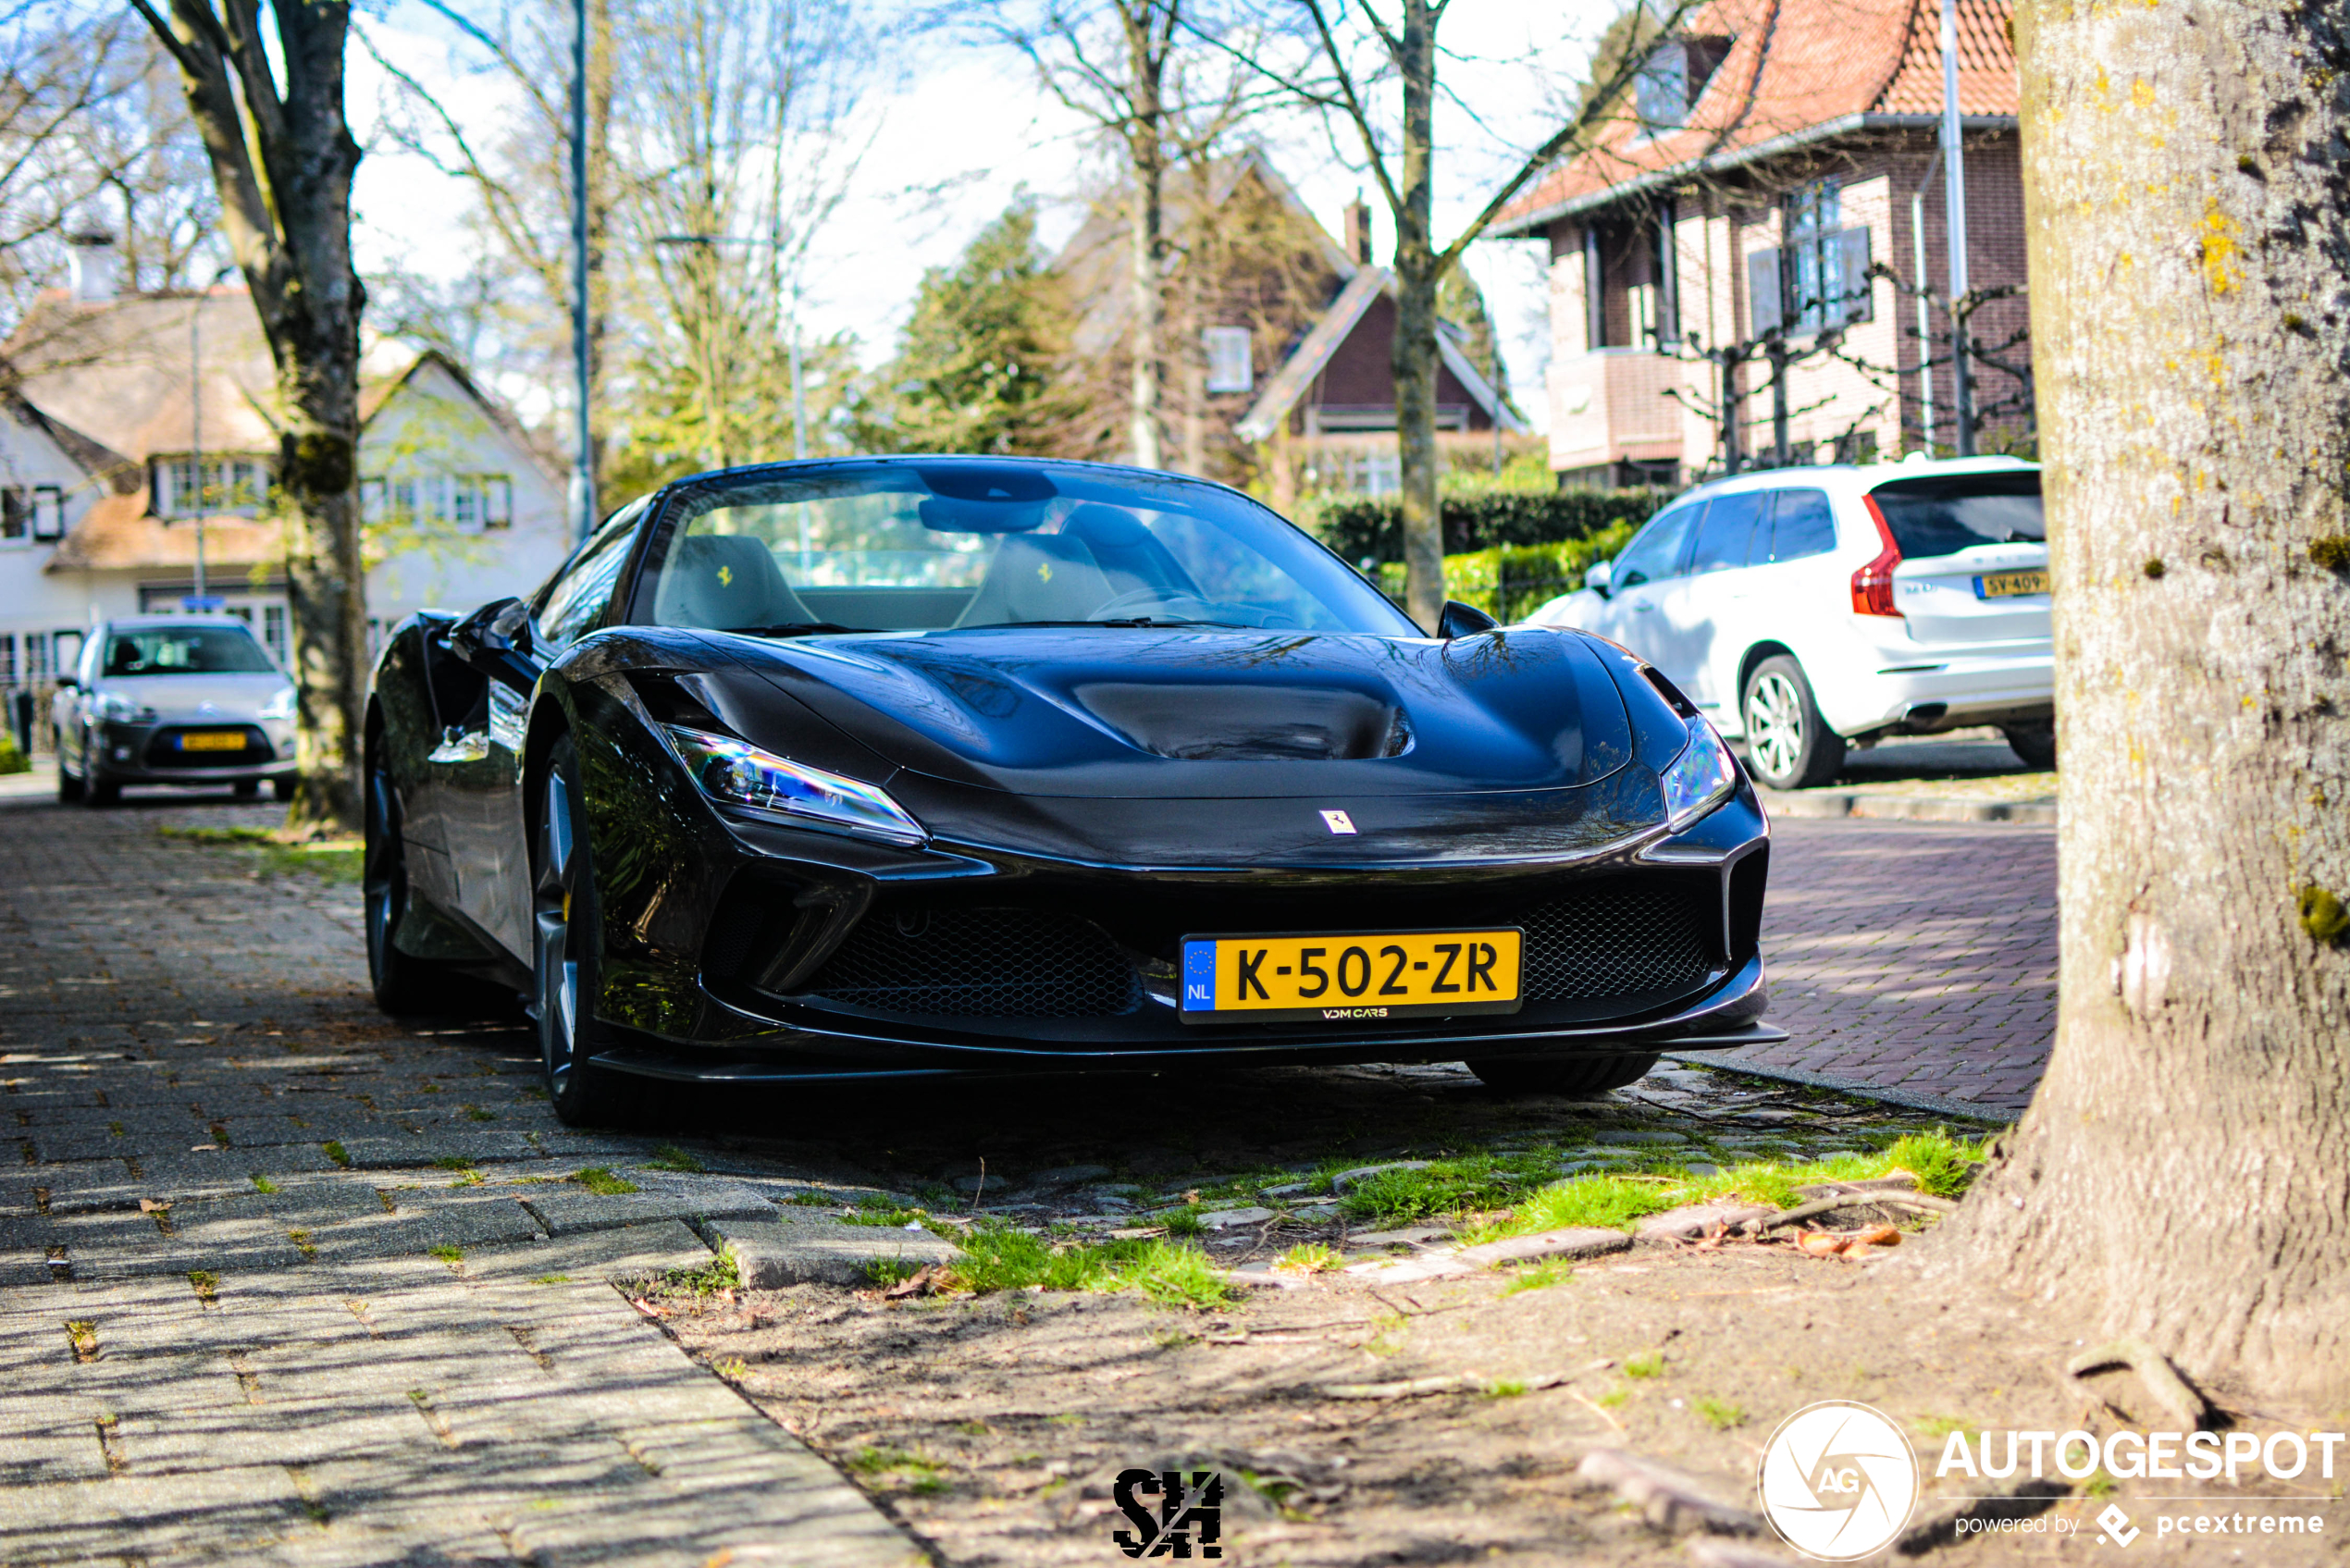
(1341, 978)
(213, 740)
(2000, 584)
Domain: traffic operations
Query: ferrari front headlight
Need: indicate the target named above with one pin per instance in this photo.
(280, 706)
(1701, 778)
(740, 774)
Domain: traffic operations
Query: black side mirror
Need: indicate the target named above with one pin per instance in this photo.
(1462, 620)
(495, 639)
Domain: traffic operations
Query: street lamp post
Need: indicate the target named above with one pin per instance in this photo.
(582, 467)
(1954, 197)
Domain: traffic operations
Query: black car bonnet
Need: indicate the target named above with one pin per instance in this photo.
(1144, 713)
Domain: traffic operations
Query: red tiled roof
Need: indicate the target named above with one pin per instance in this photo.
(1793, 67)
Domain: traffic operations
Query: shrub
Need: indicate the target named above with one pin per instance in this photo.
(1374, 527)
(12, 756)
(1511, 582)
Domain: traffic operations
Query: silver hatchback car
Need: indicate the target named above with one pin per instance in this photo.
(173, 699)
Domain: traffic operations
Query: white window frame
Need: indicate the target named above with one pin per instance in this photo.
(1230, 351)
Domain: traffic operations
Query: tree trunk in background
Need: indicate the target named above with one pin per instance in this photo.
(1145, 142)
(282, 158)
(1411, 356)
(2184, 1173)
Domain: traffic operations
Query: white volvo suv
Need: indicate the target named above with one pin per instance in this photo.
(1803, 608)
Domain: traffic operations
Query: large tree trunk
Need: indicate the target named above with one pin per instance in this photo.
(1411, 356)
(282, 158)
(2184, 1173)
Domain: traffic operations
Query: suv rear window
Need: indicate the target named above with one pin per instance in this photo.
(1949, 514)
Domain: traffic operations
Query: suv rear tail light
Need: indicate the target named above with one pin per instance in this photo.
(1872, 584)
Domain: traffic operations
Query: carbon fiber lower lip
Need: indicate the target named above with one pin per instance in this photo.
(1726, 1019)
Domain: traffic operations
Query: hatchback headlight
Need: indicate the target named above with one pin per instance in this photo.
(740, 774)
(280, 706)
(1700, 779)
(117, 709)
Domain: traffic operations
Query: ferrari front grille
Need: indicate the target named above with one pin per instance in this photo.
(979, 963)
(1619, 939)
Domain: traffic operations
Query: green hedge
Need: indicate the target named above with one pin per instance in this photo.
(1510, 582)
(1374, 529)
(11, 760)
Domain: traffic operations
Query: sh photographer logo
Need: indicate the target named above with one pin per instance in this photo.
(1189, 1516)
(1838, 1481)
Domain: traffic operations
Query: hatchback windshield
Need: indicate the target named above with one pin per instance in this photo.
(940, 546)
(185, 650)
(1945, 515)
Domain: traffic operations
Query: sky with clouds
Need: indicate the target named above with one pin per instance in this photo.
(962, 128)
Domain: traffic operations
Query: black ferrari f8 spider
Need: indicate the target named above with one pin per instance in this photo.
(893, 767)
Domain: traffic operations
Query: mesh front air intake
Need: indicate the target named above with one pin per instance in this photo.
(981, 963)
(1618, 939)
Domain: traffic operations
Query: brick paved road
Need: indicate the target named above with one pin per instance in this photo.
(337, 1344)
(1915, 956)
(297, 1362)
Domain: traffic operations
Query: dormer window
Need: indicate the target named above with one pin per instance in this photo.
(1673, 80)
(233, 485)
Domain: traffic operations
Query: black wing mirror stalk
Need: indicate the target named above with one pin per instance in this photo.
(1463, 620)
(496, 640)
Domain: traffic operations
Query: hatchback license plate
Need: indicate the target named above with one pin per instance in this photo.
(213, 740)
(1343, 977)
(2000, 584)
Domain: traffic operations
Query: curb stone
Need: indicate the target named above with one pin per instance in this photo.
(770, 1253)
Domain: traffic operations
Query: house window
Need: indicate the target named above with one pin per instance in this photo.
(1819, 279)
(1661, 93)
(15, 515)
(273, 632)
(230, 484)
(36, 658)
(1229, 369)
(48, 512)
(467, 502)
(8, 659)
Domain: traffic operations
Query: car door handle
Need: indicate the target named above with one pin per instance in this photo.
(1643, 605)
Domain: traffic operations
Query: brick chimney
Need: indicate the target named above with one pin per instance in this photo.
(1358, 229)
(92, 256)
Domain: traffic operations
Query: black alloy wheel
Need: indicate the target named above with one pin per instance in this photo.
(1563, 1075)
(283, 788)
(248, 789)
(565, 946)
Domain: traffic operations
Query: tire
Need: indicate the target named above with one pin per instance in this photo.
(69, 783)
(248, 789)
(1563, 1075)
(2034, 743)
(567, 943)
(405, 985)
(282, 788)
(99, 791)
(1789, 746)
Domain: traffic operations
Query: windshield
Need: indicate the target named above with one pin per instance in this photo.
(947, 545)
(1942, 516)
(186, 650)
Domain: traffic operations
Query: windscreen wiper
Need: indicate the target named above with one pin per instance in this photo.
(792, 629)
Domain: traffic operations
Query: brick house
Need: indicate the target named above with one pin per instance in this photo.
(1770, 153)
(1282, 334)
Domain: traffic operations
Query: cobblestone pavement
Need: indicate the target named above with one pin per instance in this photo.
(284, 1281)
(1909, 955)
(259, 1304)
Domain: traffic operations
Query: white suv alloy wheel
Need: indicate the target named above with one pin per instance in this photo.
(1775, 723)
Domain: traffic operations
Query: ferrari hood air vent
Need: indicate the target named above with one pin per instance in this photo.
(1248, 724)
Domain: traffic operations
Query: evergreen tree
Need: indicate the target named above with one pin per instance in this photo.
(978, 367)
